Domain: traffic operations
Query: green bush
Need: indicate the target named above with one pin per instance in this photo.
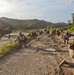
(7, 48)
(71, 28)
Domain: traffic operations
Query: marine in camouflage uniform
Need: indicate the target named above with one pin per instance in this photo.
(71, 53)
(22, 40)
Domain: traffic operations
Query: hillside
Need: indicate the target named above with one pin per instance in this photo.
(60, 24)
(22, 24)
(4, 25)
(71, 27)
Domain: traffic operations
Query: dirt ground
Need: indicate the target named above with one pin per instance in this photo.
(29, 61)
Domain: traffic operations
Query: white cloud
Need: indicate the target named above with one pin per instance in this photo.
(9, 0)
(58, 4)
(28, 15)
(69, 1)
(29, 9)
(7, 6)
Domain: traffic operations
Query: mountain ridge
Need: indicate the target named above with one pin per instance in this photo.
(30, 24)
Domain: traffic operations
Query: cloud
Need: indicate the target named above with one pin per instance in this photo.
(58, 4)
(69, 1)
(33, 5)
(8, 6)
(28, 15)
(29, 9)
(56, 19)
(9, 0)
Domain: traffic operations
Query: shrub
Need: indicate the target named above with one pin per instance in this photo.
(6, 48)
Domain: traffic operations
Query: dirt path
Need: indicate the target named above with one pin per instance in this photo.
(29, 62)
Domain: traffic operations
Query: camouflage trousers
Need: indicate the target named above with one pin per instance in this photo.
(22, 44)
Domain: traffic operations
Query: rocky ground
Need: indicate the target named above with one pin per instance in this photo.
(29, 61)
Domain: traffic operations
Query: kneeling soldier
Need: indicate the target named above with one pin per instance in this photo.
(22, 40)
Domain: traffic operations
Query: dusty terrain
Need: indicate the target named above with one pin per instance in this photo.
(29, 61)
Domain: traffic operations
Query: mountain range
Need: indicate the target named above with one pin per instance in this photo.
(28, 24)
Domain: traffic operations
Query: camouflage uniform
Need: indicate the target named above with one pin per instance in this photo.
(71, 49)
(22, 40)
(71, 53)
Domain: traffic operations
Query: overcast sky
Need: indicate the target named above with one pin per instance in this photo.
(49, 10)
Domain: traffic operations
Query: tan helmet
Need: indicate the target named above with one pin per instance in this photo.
(20, 33)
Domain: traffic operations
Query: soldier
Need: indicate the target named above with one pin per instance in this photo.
(71, 49)
(22, 40)
(47, 32)
(71, 53)
(40, 32)
(54, 32)
(58, 32)
(34, 35)
(9, 36)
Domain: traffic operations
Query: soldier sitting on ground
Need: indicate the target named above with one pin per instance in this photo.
(65, 37)
(9, 36)
(30, 34)
(58, 32)
(34, 35)
(71, 53)
(22, 40)
(47, 32)
(54, 32)
(40, 32)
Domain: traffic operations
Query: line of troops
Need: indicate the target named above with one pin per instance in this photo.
(65, 35)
